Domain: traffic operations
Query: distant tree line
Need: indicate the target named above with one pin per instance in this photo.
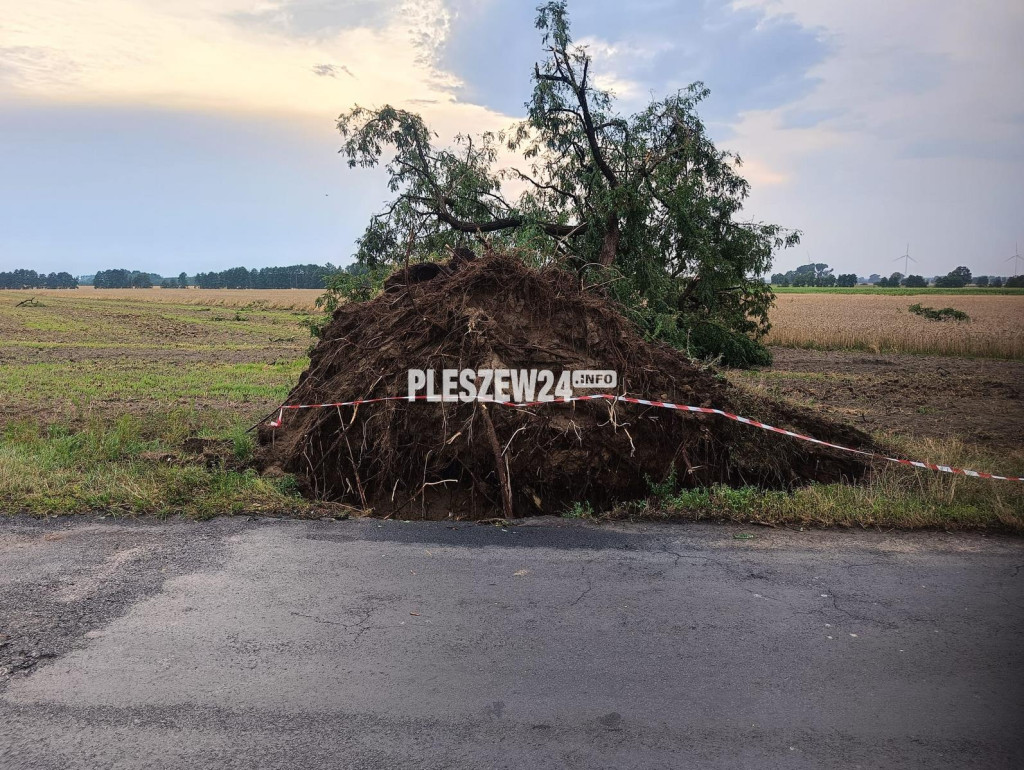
(124, 279)
(290, 277)
(181, 282)
(820, 274)
(30, 279)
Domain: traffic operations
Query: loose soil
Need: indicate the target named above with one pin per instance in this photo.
(977, 400)
(429, 460)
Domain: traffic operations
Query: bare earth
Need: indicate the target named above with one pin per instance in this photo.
(977, 400)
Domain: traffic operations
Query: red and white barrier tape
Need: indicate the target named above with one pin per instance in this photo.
(663, 405)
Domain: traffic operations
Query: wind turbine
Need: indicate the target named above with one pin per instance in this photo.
(810, 264)
(907, 259)
(1016, 257)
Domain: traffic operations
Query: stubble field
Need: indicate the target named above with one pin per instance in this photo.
(138, 401)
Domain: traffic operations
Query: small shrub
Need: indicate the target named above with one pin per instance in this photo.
(243, 444)
(344, 287)
(663, 490)
(579, 510)
(944, 314)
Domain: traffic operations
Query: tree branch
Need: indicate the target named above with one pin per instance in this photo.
(506, 223)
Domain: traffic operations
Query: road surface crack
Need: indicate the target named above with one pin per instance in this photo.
(587, 590)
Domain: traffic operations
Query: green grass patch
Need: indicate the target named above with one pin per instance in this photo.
(893, 497)
(579, 510)
(58, 324)
(120, 467)
(150, 382)
(135, 325)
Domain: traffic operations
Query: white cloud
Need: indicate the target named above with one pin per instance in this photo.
(919, 136)
(912, 131)
(197, 56)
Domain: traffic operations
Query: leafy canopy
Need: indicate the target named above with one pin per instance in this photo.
(811, 274)
(644, 205)
(954, 279)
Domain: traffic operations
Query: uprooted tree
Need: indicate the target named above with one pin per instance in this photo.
(644, 205)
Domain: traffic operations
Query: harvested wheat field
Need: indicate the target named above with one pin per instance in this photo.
(883, 324)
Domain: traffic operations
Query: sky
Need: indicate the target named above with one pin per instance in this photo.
(196, 135)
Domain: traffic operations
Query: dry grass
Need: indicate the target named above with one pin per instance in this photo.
(882, 324)
(268, 299)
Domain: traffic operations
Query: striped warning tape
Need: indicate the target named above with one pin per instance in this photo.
(662, 405)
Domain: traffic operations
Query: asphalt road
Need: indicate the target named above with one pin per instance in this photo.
(289, 644)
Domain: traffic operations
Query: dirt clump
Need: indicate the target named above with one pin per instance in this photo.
(471, 460)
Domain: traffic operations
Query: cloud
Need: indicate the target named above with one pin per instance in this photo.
(865, 124)
(229, 56)
(750, 57)
(908, 134)
(174, 135)
(315, 19)
(331, 70)
(807, 118)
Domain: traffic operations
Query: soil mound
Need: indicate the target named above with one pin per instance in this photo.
(435, 459)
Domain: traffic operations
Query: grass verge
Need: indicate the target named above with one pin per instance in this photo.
(894, 497)
(118, 468)
(132, 466)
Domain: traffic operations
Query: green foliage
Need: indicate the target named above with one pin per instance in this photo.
(915, 282)
(357, 283)
(889, 499)
(113, 467)
(811, 274)
(243, 443)
(30, 279)
(954, 279)
(643, 204)
(664, 489)
(285, 277)
(124, 279)
(892, 282)
(944, 314)
(579, 510)
(716, 500)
